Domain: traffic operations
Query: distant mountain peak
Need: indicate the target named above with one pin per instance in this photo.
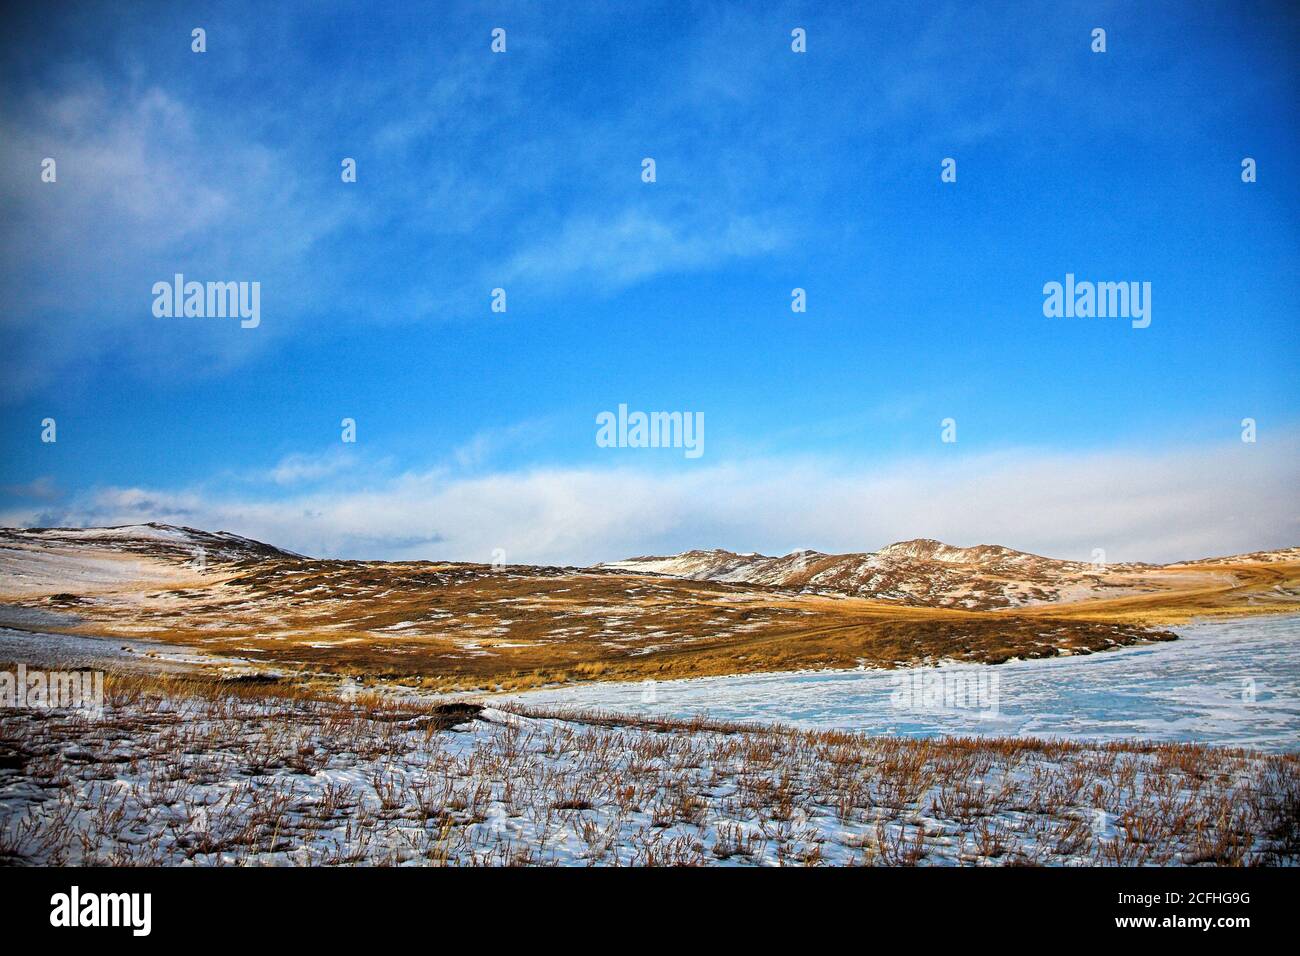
(919, 571)
(151, 537)
(933, 549)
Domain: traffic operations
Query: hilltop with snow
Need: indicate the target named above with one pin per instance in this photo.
(925, 572)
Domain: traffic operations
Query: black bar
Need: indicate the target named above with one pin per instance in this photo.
(302, 906)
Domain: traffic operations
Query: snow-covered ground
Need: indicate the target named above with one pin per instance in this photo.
(27, 572)
(1230, 683)
(234, 778)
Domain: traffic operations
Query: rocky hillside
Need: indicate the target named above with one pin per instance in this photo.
(925, 572)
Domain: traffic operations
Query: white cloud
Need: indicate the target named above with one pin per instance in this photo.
(1148, 506)
(300, 468)
(484, 444)
(617, 252)
(42, 488)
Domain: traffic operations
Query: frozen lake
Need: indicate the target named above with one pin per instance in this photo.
(1235, 682)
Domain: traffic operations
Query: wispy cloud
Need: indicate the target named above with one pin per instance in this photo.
(1150, 506)
(488, 443)
(141, 194)
(637, 245)
(298, 468)
(41, 489)
(473, 171)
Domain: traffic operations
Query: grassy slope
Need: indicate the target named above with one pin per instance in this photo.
(1229, 590)
(471, 627)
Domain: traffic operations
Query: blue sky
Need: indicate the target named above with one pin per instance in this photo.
(775, 170)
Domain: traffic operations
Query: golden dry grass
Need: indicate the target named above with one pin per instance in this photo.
(464, 627)
(1216, 590)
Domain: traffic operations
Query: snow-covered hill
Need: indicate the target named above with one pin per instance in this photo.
(91, 560)
(921, 572)
(152, 539)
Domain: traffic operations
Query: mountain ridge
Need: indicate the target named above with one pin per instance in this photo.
(918, 572)
(927, 572)
(469, 626)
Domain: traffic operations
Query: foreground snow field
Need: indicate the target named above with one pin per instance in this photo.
(1229, 682)
(200, 772)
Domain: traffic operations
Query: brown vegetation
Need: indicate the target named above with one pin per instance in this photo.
(215, 772)
(446, 626)
(466, 626)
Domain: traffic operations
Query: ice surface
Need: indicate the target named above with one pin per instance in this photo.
(1230, 683)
